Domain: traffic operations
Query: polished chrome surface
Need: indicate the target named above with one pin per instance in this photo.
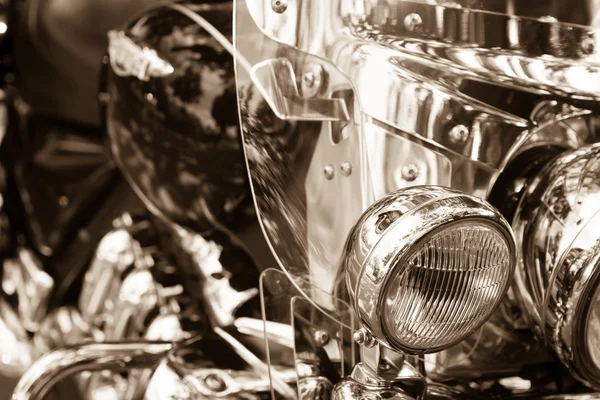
(114, 254)
(315, 388)
(494, 46)
(172, 380)
(413, 118)
(129, 59)
(47, 371)
(221, 300)
(349, 389)
(16, 352)
(390, 230)
(128, 293)
(25, 277)
(64, 327)
(556, 227)
(399, 382)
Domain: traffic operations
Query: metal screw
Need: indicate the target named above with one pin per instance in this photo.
(588, 45)
(329, 171)
(413, 22)
(410, 172)
(384, 365)
(279, 6)
(312, 80)
(346, 168)
(459, 134)
(321, 338)
(215, 383)
(363, 337)
(308, 80)
(360, 336)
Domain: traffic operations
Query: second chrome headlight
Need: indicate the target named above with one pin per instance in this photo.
(427, 266)
(557, 225)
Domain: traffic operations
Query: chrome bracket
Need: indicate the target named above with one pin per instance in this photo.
(276, 81)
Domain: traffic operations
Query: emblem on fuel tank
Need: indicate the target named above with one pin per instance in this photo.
(127, 58)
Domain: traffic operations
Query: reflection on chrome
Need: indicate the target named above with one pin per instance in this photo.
(426, 266)
(25, 277)
(59, 364)
(557, 228)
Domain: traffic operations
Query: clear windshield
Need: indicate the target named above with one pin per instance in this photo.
(309, 186)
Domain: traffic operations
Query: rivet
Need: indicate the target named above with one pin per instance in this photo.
(279, 6)
(215, 383)
(410, 172)
(312, 80)
(588, 45)
(346, 168)
(329, 171)
(459, 134)
(321, 338)
(413, 22)
(309, 79)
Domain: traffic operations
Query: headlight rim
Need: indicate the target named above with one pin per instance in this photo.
(567, 336)
(472, 209)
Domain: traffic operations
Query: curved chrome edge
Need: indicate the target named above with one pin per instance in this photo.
(47, 371)
(555, 225)
(428, 208)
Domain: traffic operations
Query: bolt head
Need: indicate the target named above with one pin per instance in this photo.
(321, 338)
(412, 22)
(346, 168)
(309, 79)
(459, 134)
(312, 80)
(360, 336)
(588, 45)
(279, 6)
(410, 172)
(215, 383)
(329, 172)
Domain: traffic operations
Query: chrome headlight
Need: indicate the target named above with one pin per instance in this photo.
(557, 226)
(426, 266)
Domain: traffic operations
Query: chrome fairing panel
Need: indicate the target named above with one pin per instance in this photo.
(326, 89)
(472, 94)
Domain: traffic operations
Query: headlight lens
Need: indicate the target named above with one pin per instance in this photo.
(452, 282)
(558, 277)
(427, 266)
(592, 331)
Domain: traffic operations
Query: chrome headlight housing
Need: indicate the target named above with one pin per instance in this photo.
(557, 226)
(427, 266)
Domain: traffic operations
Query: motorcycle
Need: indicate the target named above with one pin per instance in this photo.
(346, 199)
